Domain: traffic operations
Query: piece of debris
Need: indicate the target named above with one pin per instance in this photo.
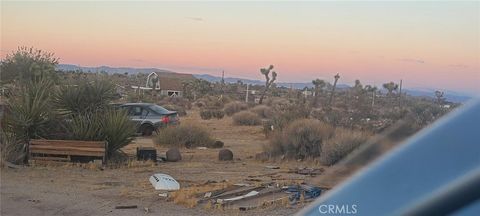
(308, 171)
(165, 182)
(173, 155)
(34, 200)
(126, 207)
(272, 167)
(146, 153)
(249, 194)
(308, 192)
(225, 155)
(165, 195)
(207, 195)
(242, 185)
(147, 210)
(11, 165)
(202, 148)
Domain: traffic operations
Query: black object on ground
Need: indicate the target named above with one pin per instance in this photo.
(147, 153)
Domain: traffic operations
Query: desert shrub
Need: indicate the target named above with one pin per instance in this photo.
(286, 113)
(12, 150)
(176, 101)
(31, 111)
(246, 118)
(301, 139)
(206, 114)
(113, 126)
(263, 111)
(184, 135)
(180, 110)
(85, 96)
(341, 144)
(234, 107)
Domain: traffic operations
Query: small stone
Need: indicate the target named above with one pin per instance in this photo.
(225, 155)
(173, 155)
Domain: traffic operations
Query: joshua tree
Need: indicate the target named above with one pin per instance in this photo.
(319, 85)
(371, 89)
(440, 98)
(337, 76)
(391, 86)
(268, 81)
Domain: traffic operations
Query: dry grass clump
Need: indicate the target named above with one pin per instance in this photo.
(311, 138)
(184, 135)
(301, 139)
(234, 107)
(189, 196)
(246, 118)
(340, 145)
(263, 111)
(206, 114)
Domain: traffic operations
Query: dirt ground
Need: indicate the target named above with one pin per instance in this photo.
(75, 190)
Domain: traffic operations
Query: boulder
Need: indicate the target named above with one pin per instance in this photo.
(225, 155)
(216, 144)
(173, 155)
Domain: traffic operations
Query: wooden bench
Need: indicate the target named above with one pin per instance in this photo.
(63, 150)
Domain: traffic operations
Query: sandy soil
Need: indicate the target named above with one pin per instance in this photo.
(72, 190)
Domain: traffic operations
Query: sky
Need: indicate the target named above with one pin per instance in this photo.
(426, 44)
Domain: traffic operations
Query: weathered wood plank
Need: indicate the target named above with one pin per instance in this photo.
(67, 152)
(50, 158)
(67, 148)
(73, 143)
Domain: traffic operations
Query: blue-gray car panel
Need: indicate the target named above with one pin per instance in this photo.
(410, 174)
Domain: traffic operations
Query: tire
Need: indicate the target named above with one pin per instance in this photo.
(147, 130)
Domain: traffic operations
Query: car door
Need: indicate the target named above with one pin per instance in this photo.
(137, 114)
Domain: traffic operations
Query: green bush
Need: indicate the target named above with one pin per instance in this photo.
(12, 150)
(31, 111)
(246, 118)
(341, 144)
(113, 126)
(184, 135)
(301, 139)
(234, 107)
(263, 111)
(206, 114)
(85, 96)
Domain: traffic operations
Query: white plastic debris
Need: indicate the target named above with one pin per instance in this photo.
(249, 194)
(165, 182)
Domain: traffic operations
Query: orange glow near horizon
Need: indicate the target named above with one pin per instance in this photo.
(427, 44)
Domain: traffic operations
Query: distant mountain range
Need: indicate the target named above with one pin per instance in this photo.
(422, 92)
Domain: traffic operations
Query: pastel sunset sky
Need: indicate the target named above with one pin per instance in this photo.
(427, 44)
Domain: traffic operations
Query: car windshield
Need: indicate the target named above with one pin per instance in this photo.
(158, 109)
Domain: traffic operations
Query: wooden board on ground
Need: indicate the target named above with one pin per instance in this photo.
(62, 150)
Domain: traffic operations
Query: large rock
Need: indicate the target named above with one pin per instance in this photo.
(225, 155)
(216, 144)
(173, 155)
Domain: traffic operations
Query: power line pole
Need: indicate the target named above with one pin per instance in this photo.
(400, 96)
(246, 97)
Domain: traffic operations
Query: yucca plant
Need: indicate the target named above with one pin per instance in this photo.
(109, 125)
(12, 149)
(31, 111)
(118, 129)
(84, 96)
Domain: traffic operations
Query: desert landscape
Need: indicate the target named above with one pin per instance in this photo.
(71, 190)
(232, 108)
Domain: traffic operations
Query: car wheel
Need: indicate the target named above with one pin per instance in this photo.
(147, 130)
